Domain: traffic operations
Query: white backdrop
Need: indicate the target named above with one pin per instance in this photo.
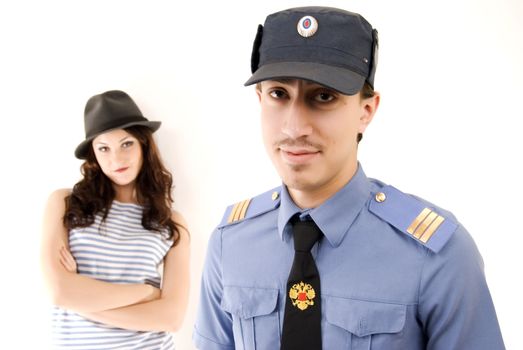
(448, 129)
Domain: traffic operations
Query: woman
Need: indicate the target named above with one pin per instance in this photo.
(107, 241)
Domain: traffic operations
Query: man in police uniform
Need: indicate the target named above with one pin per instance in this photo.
(386, 270)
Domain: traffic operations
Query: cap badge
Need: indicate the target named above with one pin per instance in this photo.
(307, 26)
(301, 295)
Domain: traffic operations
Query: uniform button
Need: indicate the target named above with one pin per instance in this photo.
(380, 197)
(275, 195)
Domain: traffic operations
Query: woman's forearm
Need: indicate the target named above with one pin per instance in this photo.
(157, 315)
(84, 294)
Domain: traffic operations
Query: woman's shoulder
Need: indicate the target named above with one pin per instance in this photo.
(57, 196)
(180, 223)
(55, 206)
(178, 218)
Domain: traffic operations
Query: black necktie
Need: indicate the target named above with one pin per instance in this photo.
(302, 319)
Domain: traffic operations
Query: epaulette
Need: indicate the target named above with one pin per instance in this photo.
(413, 217)
(252, 207)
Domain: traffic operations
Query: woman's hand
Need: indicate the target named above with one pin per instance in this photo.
(67, 260)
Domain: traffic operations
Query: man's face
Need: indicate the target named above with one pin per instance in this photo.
(310, 133)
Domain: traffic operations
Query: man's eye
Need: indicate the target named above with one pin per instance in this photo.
(324, 97)
(277, 94)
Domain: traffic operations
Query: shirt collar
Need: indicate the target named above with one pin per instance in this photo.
(335, 216)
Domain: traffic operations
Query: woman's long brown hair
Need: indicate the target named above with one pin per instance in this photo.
(94, 193)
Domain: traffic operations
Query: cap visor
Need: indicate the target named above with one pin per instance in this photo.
(340, 79)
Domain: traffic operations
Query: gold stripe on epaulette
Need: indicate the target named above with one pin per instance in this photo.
(414, 225)
(425, 225)
(432, 228)
(244, 209)
(238, 211)
(233, 213)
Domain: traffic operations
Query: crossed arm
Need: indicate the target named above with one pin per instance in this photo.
(130, 306)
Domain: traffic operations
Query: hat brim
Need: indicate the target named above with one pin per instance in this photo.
(340, 79)
(81, 150)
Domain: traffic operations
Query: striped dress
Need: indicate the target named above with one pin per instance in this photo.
(118, 251)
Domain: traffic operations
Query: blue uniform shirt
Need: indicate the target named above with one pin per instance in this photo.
(396, 272)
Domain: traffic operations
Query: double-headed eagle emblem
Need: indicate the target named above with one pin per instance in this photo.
(301, 295)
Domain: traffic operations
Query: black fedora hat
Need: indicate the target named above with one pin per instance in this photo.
(108, 111)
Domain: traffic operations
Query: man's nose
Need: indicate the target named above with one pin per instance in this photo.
(296, 121)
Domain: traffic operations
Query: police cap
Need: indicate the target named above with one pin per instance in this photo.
(328, 46)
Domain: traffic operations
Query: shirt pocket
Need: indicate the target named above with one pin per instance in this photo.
(364, 325)
(256, 321)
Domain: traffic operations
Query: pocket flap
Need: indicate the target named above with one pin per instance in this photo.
(249, 302)
(363, 318)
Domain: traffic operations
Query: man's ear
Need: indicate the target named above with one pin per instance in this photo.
(369, 108)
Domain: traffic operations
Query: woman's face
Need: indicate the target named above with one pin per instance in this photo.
(119, 154)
